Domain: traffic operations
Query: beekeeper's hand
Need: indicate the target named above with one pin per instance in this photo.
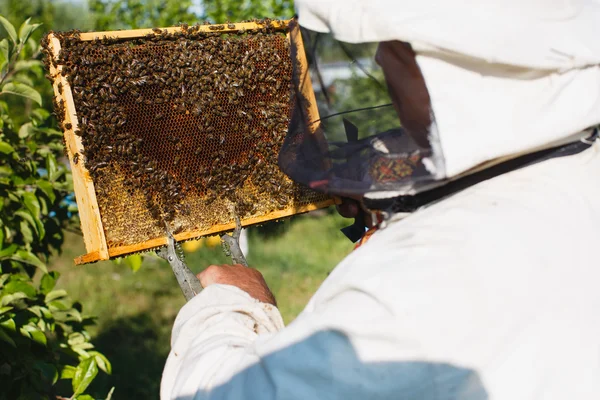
(248, 279)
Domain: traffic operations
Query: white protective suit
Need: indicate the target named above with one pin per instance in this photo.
(492, 293)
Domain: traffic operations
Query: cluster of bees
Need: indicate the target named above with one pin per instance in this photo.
(180, 113)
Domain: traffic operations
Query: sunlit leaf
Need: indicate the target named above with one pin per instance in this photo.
(25, 130)
(51, 167)
(5, 309)
(7, 251)
(134, 262)
(4, 54)
(20, 286)
(12, 299)
(84, 375)
(26, 29)
(59, 305)
(31, 202)
(47, 188)
(6, 148)
(9, 325)
(29, 258)
(109, 396)
(33, 332)
(26, 231)
(55, 294)
(10, 29)
(102, 361)
(29, 218)
(33, 205)
(20, 89)
(68, 372)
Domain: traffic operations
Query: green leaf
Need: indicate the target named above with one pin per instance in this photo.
(47, 188)
(6, 338)
(70, 314)
(6, 148)
(29, 258)
(26, 29)
(25, 130)
(20, 89)
(5, 309)
(102, 361)
(55, 294)
(10, 29)
(76, 338)
(12, 298)
(33, 332)
(134, 262)
(20, 286)
(39, 115)
(51, 167)
(26, 231)
(9, 325)
(84, 397)
(8, 251)
(4, 54)
(68, 372)
(26, 65)
(84, 375)
(48, 281)
(109, 396)
(29, 218)
(32, 203)
(59, 305)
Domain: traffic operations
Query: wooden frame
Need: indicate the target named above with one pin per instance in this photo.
(91, 222)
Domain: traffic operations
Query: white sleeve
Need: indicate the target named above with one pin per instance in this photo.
(224, 346)
(212, 339)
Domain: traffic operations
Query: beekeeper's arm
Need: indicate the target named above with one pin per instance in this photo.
(347, 343)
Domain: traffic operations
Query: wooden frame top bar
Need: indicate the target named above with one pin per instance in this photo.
(140, 33)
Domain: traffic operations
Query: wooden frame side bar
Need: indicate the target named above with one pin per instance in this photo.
(304, 81)
(89, 213)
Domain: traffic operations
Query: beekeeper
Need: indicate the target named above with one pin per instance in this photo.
(490, 288)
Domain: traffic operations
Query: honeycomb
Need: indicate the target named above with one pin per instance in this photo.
(180, 129)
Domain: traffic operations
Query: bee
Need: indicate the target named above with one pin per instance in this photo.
(157, 30)
(76, 158)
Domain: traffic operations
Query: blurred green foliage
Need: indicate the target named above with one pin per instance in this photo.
(133, 14)
(46, 350)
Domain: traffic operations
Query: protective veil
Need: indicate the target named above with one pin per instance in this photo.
(502, 80)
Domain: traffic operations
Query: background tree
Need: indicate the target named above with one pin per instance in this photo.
(133, 14)
(45, 349)
(219, 11)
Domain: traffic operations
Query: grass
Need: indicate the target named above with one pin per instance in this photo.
(136, 310)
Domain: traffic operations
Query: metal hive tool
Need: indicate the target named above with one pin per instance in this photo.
(178, 126)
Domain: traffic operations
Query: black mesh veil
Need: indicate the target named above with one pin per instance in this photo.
(357, 146)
